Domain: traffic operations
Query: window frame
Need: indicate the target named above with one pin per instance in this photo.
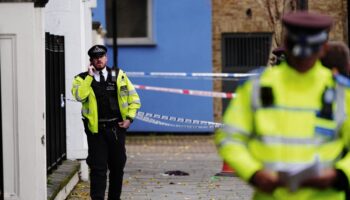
(138, 41)
(242, 35)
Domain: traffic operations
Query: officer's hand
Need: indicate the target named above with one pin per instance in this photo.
(124, 124)
(325, 180)
(266, 181)
(91, 70)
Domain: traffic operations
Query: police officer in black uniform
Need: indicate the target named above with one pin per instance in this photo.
(106, 144)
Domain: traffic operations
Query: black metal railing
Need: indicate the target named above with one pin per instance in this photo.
(55, 102)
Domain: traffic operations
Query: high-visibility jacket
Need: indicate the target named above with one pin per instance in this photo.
(278, 122)
(128, 99)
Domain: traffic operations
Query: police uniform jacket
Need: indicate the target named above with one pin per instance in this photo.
(281, 120)
(128, 99)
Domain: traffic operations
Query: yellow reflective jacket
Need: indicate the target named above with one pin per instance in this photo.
(129, 101)
(287, 129)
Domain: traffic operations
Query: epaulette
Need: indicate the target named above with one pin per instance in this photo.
(342, 80)
(82, 75)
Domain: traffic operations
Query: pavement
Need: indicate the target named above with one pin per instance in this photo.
(151, 156)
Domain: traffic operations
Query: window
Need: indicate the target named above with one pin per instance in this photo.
(242, 52)
(134, 22)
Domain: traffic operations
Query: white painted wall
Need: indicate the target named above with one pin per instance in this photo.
(72, 19)
(23, 100)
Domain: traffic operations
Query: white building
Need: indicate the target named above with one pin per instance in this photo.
(23, 24)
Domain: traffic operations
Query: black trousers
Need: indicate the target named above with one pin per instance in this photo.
(106, 150)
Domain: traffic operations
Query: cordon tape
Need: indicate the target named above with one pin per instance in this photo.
(186, 123)
(189, 123)
(224, 95)
(196, 74)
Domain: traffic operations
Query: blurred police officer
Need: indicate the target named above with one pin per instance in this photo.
(109, 105)
(290, 117)
(337, 58)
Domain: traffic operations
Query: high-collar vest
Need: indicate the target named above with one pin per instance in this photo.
(107, 98)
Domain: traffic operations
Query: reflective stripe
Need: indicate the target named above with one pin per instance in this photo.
(131, 92)
(255, 100)
(136, 101)
(229, 129)
(295, 109)
(339, 112)
(128, 93)
(123, 94)
(77, 95)
(125, 105)
(290, 141)
(284, 166)
(85, 111)
(229, 141)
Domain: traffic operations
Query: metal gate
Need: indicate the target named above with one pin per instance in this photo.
(55, 101)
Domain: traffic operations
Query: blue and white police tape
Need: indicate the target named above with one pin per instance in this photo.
(185, 74)
(198, 123)
(155, 119)
(202, 93)
(160, 123)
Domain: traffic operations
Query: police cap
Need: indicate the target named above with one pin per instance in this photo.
(97, 51)
(306, 32)
(306, 22)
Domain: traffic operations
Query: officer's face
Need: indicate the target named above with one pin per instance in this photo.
(100, 62)
(305, 63)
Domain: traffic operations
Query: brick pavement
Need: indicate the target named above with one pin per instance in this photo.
(150, 156)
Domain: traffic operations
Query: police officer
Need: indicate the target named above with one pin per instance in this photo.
(337, 58)
(291, 117)
(109, 105)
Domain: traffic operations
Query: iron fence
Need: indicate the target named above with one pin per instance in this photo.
(55, 103)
